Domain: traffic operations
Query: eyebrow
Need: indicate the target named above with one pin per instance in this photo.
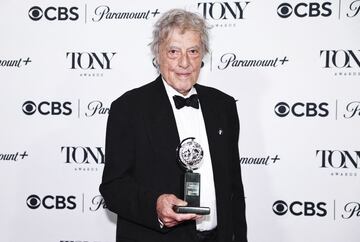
(192, 47)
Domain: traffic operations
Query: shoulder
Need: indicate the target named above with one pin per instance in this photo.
(215, 94)
(136, 95)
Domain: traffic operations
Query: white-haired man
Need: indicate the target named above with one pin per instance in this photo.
(142, 180)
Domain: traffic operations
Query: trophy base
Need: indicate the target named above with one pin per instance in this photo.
(196, 210)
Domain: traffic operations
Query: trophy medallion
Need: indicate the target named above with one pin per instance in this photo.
(190, 155)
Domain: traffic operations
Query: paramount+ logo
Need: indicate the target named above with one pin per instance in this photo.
(300, 109)
(351, 210)
(96, 203)
(51, 202)
(52, 13)
(304, 9)
(300, 208)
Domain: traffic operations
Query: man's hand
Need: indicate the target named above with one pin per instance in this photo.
(166, 214)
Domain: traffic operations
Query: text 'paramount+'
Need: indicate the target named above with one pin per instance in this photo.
(104, 12)
(230, 60)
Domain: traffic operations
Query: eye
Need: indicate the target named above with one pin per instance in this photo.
(194, 52)
(173, 53)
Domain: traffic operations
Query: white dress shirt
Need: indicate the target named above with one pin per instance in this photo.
(190, 123)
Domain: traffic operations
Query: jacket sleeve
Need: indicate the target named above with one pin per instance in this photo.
(238, 198)
(122, 194)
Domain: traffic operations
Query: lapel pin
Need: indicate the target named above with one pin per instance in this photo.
(220, 131)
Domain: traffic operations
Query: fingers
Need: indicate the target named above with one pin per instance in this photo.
(166, 214)
(173, 200)
(174, 219)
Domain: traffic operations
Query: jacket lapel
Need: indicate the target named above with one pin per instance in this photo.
(160, 122)
(213, 115)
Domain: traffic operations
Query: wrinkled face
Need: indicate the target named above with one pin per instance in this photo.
(180, 59)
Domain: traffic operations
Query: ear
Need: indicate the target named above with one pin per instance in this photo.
(155, 63)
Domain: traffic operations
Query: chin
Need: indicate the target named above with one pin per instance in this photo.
(186, 85)
(183, 89)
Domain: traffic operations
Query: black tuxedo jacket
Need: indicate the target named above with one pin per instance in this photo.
(140, 154)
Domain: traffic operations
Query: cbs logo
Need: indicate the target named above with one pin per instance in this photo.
(302, 10)
(298, 109)
(54, 13)
(51, 202)
(47, 108)
(298, 208)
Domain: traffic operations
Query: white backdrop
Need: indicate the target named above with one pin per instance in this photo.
(293, 66)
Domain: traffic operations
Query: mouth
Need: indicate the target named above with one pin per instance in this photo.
(183, 75)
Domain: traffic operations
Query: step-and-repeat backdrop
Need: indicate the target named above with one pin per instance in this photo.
(292, 65)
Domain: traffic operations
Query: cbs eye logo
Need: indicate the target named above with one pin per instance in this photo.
(51, 202)
(298, 208)
(284, 10)
(299, 109)
(29, 107)
(33, 201)
(282, 109)
(53, 13)
(280, 207)
(35, 13)
(301, 10)
(47, 108)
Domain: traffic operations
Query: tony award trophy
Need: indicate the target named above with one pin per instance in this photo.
(190, 155)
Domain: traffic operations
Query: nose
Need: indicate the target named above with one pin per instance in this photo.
(184, 61)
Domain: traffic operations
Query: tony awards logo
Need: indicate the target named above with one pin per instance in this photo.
(190, 155)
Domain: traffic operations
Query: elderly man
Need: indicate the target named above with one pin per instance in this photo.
(142, 180)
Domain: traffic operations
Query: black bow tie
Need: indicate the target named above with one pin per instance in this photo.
(192, 101)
